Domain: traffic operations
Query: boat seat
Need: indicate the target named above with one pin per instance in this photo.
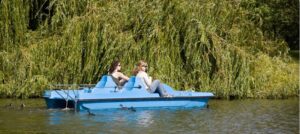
(129, 85)
(110, 83)
(139, 83)
(134, 82)
(102, 82)
(106, 83)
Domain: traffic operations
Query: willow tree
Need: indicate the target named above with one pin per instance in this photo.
(191, 45)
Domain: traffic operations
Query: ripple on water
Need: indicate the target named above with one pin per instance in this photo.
(238, 116)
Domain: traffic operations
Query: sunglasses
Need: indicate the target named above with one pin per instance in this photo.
(144, 66)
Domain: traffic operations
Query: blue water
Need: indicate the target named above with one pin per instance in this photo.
(222, 116)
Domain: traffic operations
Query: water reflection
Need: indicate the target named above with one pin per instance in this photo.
(241, 116)
(55, 118)
(145, 118)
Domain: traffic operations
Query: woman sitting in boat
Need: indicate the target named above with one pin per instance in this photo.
(115, 72)
(153, 87)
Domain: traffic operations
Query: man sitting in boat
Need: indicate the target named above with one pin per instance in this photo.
(115, 72)
(153, 87)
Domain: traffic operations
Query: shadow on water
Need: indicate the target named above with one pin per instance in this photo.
(237, 116)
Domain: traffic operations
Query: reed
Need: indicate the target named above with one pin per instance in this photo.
(192, 45)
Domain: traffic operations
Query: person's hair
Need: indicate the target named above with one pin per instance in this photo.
(139, 66)
(113, 66)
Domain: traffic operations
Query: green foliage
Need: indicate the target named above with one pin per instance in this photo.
(274, 78)
(200, 45)
(278, 19)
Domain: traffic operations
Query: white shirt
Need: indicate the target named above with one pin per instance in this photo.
(146, 79)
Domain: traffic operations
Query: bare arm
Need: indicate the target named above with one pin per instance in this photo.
(120, 75)
(124, 77)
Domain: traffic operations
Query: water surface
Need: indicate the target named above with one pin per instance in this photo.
(222, 116)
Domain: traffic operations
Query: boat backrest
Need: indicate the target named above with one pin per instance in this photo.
(129, 85)
(110, 83)
(102, 82)
(139, 83)
(106, 82)
(133, 83)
